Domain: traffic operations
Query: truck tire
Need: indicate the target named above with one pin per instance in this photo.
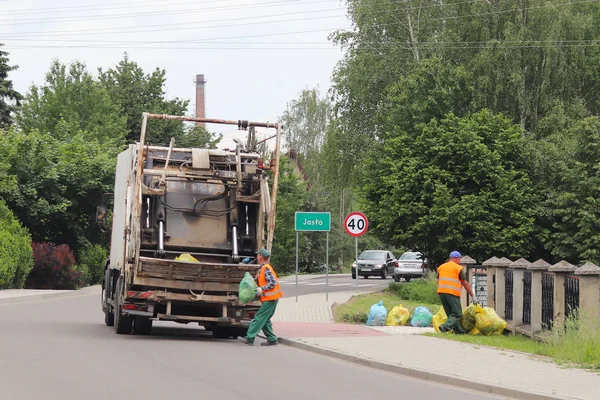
(109, 318)
(123, 323)
(142, 326)
(396, 279)
(407, 278)
(221, 332)
(239, 332)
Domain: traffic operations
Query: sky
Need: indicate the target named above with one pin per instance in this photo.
(256, 55)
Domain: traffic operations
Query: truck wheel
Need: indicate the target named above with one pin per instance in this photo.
(123, 323)
(109, 318)
(383, 274)
(366, 276)
(407, 279)
(142, 326)
(221, 332)
(239, 332)
(396, 279)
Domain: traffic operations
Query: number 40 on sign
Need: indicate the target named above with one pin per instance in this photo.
(356, 224)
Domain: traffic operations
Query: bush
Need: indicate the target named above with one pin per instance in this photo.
(53, 268)
(92, 260)
(355, 317)
(420, 290)
(16, 258)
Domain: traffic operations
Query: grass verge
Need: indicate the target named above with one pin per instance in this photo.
(356, 310)
(577, 343)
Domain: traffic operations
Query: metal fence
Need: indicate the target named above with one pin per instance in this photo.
(547, 300)
(571, 294)
(526, 297)
(479, 282)
(508, 287)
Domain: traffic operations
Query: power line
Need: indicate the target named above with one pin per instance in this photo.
(556, 46)
(180, 26)
(28, 21)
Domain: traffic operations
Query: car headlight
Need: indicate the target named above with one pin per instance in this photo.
(353, 265)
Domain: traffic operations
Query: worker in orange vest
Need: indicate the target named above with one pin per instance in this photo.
(451, 280)
(269, 292)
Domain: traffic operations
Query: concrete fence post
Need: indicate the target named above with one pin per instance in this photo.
(518, 268)
(490, 265)
(500, 267)
(589, 295)
(560, 269)
(466, 262)
(537, 269)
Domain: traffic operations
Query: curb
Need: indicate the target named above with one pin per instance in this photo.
(45, 296)
(419, 374)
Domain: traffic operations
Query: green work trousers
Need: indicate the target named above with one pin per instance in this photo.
(262, 321)
(453, 310)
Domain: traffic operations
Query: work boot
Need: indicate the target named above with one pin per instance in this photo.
(246, 341)
(269, 343)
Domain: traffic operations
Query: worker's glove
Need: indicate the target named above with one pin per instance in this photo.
(475, 300)
(258, 292)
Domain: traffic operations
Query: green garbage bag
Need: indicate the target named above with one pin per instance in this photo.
(247, 291)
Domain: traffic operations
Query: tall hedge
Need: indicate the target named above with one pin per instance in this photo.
(16, 256)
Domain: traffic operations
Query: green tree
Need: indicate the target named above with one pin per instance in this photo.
(69, 102)
(568, 165)
(458, 183)
(57, 183)
(137, 92)
(10, 99)
(16, 256)
(291, 198)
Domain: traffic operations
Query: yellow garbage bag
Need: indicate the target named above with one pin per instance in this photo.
(186, 257)
(467, 321)
(438, 319)
(398, 316)
(474, 331)
(489, 323)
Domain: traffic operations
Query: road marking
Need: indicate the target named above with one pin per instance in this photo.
(316, 284)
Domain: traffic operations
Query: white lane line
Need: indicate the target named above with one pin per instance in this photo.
(316, 284)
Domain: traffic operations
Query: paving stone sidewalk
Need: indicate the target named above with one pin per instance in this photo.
(405, 350)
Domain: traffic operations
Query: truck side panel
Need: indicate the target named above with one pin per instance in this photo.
(121, 213)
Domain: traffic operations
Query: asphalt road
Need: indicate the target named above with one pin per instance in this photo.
(61, 350)
(337, 283)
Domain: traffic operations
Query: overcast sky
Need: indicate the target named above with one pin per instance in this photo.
(256, 55)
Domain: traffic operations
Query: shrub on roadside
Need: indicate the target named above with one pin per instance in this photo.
(16, 258)
(355, 317)
(92, 259)
(53, 268)
(420, 290)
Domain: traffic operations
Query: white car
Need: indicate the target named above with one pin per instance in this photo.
(410, 265)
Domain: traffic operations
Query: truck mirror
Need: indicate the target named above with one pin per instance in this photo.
(101, 214)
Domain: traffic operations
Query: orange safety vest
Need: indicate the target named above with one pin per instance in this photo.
(448, 278)
(268, 295)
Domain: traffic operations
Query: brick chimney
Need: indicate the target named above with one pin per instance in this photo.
(200, 98)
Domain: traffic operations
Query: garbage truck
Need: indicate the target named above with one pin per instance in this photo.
(186, 225)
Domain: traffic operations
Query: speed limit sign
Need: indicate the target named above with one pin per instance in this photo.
(356, 224)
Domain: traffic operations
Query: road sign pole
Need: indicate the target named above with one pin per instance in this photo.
(356, 260)
(296, 266)
(327, 268)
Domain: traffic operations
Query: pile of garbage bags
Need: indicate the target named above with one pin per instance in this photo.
(476, 320)
(398, 316)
